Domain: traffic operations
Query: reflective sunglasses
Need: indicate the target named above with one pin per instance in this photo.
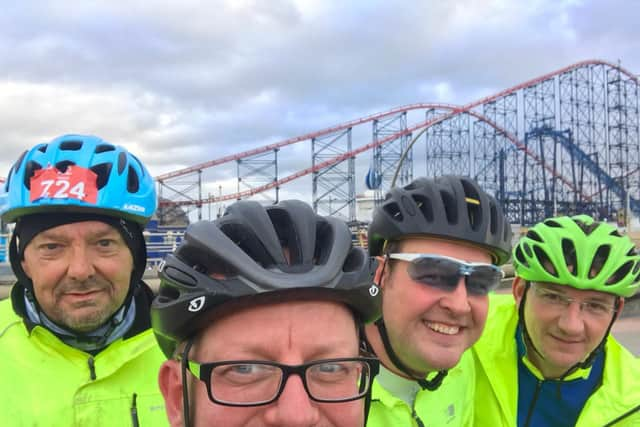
(443, 272)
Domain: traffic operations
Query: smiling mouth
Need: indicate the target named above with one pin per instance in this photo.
(441, 328)
(83, 293)
(565, 341)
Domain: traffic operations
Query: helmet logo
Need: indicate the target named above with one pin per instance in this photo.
(373, 290)
(196, 304)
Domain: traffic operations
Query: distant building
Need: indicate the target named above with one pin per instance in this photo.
(365, 204)
(171, 215)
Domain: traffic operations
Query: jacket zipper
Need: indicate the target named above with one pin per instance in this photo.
(416, 417)
(134, 411)
(533, 403)
(134, 407)
(92, 368)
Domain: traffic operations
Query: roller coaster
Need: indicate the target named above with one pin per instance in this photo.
(562, 143)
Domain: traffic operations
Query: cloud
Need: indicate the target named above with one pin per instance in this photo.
(182, 83)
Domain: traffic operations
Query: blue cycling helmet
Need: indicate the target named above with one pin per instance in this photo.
(125, 189)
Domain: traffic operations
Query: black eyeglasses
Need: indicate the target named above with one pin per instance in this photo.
(259, 382)
(444, 272)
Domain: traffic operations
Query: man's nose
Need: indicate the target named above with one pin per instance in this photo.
(80, 263)
(294, 407)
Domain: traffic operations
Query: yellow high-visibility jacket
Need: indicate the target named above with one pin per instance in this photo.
(450, 405)
(44, 382)
(495, 355)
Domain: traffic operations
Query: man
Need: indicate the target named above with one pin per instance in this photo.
(439, 242)
(548, 359)
(260, 313)
(76, 348)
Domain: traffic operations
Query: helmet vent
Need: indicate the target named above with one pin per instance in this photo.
(63, 165)
(122, 162)
(527, 249)
(71, 145)
(133, 184)
(425, 207)
(324, 243)
(30, 168)
(141, 166)
(587, 228)
(474, 210)
(287, 234)
(569, 253)
(599, 259)
(410, 186)
(545, 262)
(354, 261)
(102, 171)
(493, 223)
(620, 273)
(534, 236)
(393, 210)
(42, 148)
(18, 162)
(449, 207)
(552, 223)
(168, 294)
(520, 257)
(103, 148)
(248, 242)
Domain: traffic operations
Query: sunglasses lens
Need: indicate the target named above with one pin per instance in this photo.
(483, 280)
(445, 273)
(439, 273)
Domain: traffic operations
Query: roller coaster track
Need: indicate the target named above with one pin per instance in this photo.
(452, 111)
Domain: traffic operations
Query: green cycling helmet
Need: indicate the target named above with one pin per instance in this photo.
(579, 252)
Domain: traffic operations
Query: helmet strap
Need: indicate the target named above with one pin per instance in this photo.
(185, 392)
(525, 333)
(425, 384)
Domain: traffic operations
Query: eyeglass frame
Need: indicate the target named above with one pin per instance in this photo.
(465, 270)
(205, 370)
(565, 301)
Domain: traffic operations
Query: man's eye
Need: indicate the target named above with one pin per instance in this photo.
(105, 243)
(50, 246)
(549, 296)
(596, 307)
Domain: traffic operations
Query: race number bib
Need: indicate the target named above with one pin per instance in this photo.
(75, 183)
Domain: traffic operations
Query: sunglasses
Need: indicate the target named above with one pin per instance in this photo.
(444, 272)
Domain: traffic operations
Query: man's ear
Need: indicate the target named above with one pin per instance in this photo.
(517, 288)
(380, 271)
(620, 307)
(170, 382)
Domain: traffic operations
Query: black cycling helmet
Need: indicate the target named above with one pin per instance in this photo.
(246, 244)
(451, 207)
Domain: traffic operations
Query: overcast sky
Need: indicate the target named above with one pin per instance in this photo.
(179, 83)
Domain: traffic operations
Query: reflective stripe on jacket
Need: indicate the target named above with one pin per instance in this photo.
(48, 383)
(495, 356)
(451, 405)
